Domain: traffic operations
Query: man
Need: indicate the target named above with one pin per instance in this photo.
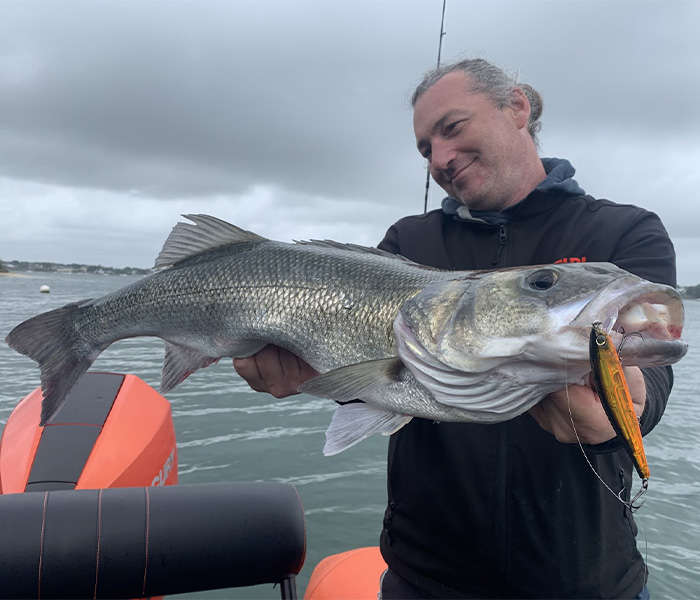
(511, 510)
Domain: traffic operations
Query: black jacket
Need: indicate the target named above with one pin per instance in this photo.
(505, 510)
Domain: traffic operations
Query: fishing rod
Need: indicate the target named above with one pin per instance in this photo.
(442, 34)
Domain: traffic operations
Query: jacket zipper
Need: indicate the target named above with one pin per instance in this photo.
(502, 469)
(502, 509)
(502, 239)
(389, 513)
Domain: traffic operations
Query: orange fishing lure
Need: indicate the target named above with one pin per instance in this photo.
(615, 397)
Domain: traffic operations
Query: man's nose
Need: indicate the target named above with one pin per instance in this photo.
(441, 155)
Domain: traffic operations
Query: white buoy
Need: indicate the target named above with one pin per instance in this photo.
(44, 289)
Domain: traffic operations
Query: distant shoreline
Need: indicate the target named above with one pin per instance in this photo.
(22, 266)
(13, 275)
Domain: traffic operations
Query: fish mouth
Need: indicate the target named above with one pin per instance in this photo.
(645, 323)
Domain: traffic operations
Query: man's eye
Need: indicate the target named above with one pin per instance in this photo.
(452, 128)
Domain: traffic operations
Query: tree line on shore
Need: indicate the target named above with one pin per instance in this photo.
(691, 291)
(49, 267)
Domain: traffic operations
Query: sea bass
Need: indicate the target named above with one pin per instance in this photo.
(408, 340)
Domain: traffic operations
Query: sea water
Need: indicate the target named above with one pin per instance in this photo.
(228, 433)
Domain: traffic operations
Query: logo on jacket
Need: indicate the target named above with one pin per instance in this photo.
(573, 259)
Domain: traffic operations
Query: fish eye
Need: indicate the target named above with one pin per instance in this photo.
(542, 279)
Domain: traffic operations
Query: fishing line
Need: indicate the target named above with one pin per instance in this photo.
(639, 520)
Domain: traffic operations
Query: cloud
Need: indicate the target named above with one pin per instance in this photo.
(112, 229)
(292, 117)
(113, 101)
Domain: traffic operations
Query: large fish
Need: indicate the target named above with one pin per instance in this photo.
(409, 340)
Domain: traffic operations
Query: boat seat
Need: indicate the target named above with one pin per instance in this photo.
(155, 541)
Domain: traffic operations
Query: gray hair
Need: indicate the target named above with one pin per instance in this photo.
(491, 80)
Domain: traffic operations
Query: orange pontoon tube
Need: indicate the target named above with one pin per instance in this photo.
(113, 431)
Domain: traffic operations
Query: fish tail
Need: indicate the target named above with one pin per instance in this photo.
(51, 340)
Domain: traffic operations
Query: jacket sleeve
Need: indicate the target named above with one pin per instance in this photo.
(659, 381)
(390, 243)
(644, 248)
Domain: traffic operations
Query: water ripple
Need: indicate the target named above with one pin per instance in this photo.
(347, 510)
(185, 469)
(266, 433)
(323, 477)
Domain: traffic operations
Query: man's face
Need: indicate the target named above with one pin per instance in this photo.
(474, 150)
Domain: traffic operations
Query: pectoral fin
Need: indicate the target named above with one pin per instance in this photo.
(180, 363)
(355, 422)
(355, 381)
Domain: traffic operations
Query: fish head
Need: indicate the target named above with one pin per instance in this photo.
(536, 319)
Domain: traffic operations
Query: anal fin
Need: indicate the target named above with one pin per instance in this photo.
(180, 363)
(352, 423)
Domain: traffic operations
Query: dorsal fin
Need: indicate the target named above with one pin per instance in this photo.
(353, 248)
(208, 232)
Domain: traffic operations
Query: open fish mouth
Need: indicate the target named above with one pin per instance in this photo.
(645, 323)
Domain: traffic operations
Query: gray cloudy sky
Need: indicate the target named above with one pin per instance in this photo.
(291, 118)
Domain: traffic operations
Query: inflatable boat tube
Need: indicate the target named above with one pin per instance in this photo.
(153, 541)
(113, 430)
(351, 575)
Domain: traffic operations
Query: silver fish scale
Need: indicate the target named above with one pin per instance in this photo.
(330, 306)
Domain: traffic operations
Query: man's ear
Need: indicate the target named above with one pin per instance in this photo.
(519, 107)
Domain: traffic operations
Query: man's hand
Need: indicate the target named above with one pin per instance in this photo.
(590, 420)
(274, 370)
